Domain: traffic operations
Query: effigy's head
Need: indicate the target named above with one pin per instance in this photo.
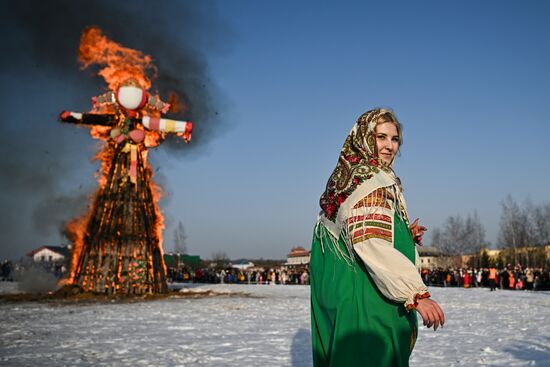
(131, 95)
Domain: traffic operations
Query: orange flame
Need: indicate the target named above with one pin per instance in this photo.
(118, 64)
(176, 106)
(77, 230)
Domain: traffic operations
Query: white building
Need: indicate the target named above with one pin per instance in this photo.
(298, 256)
(241, 264)
(430, 257)
(50, 254)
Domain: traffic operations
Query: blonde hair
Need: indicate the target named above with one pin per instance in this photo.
(387, 115)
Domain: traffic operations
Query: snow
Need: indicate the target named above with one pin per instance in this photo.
(259, 325)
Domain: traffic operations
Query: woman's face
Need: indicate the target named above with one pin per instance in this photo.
(387, 141)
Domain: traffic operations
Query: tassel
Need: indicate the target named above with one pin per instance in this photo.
(327, 239)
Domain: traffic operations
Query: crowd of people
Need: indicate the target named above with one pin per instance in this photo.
(10, 271)
(6, 271)
(508, 277)
(234, 275)
(516, 278)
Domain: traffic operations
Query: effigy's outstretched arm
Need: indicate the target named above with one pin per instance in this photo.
(88, 118)
(182, 128)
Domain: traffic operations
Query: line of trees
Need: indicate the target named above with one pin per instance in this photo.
(460, 236)
(521, 226)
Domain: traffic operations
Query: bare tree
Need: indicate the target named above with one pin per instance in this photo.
(474, 234)
(448, 239)
(437, 239)
(515, 227)
(180, 239)
(459, 236)
(220, 258)
(539, 216)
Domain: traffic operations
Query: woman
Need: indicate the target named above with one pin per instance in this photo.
(364, 282)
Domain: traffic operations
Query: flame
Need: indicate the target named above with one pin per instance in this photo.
(76, 229)
(118, 64)
(176, 105)
(153, 139)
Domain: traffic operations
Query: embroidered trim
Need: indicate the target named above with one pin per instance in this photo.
(373, 216)
(372, 225)
(364, 234)
(378, 198)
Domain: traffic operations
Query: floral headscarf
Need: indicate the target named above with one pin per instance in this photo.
(357, 163)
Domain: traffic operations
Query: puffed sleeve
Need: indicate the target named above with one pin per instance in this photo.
(371, 230)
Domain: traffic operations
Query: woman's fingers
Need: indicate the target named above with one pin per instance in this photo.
(437, 320)
(440, 314)
(432, 318)
(431, 313)
(417, 230)
(423, 309)
(437, 313)
(420, 230)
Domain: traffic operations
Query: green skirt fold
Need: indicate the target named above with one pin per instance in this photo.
(352, 323)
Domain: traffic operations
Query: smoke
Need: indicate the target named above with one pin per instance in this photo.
(46, 175)
(56, 212)
(35, 279)
(178, 35)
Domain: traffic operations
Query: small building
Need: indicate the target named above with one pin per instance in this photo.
(430, 258)
(175, 260)
(493, 253)
(298, 257)
(241, 264)
(51, 254)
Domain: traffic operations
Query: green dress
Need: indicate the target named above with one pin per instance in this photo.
(353, 324)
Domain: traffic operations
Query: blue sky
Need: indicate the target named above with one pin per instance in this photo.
(469, 81)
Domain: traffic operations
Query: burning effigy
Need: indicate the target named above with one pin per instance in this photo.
(118, 242)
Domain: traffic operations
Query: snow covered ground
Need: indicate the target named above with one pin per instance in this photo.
(268, 328)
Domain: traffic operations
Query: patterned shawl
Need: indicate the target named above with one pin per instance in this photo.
(358, 172)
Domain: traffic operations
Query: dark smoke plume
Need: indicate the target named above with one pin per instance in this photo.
(46, 176)
(177, 34)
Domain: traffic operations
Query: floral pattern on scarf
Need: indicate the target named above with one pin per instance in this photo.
(356, 164)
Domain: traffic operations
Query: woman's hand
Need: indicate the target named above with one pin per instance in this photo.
(431, 313)
(417, 231)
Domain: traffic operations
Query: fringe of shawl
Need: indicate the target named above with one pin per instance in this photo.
(329, 233)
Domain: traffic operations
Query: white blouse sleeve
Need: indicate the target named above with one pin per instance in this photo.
(371, 230)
